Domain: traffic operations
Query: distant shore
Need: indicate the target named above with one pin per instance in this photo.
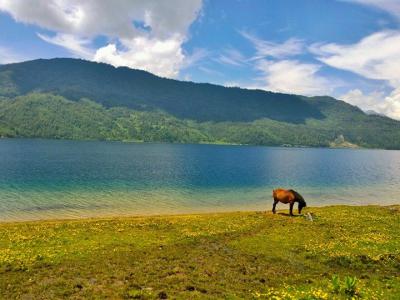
(234, 255)
(332, 145)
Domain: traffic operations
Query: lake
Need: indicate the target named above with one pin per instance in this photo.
(47, 179)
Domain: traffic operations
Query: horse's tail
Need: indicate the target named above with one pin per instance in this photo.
(298, 196)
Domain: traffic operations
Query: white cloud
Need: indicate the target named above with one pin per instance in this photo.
(376, 101)
(195, 57)
(163, 57)
(292, 76)
(78, 46)
(279, 73)
(8, 56)
(370, 101)
(391, 6)
(290, 47)
(211, 72)
(376, 56)
(234, 84)
(155, 46)
(232, 57)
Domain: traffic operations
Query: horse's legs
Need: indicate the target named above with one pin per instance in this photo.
(274, 205)
(291, 208)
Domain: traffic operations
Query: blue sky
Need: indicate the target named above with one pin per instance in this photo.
(348, 49)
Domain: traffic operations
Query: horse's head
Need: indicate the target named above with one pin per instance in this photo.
(302, 204)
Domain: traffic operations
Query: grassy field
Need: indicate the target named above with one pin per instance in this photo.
(345, 253)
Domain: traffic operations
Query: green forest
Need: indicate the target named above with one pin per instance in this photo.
(76, 99)
(38, 115)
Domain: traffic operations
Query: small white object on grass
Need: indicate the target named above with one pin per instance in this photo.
(309, 217)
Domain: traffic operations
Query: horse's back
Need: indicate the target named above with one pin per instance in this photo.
(282, 195)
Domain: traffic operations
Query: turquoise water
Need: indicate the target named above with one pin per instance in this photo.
(42, 179)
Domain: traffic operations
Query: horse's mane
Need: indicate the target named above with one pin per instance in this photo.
(298, 196)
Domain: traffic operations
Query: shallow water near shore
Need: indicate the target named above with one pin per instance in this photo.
(47, 179)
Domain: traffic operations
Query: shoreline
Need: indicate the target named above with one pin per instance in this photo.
(282, 146)
(101, 217)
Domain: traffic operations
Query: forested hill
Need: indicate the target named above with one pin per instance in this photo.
(135, 89)
(71, 98)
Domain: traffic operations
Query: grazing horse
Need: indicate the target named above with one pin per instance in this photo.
(288, 196)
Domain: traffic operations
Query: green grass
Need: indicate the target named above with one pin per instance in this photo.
(346, 252)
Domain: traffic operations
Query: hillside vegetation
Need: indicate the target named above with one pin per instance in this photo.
(75, 99)
(49, 116)
(345, 253)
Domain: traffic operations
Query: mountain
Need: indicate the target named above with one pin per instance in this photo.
(373, 113)
(140, 90)
(77, 99)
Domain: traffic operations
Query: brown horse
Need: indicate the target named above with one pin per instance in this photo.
(288, 196)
